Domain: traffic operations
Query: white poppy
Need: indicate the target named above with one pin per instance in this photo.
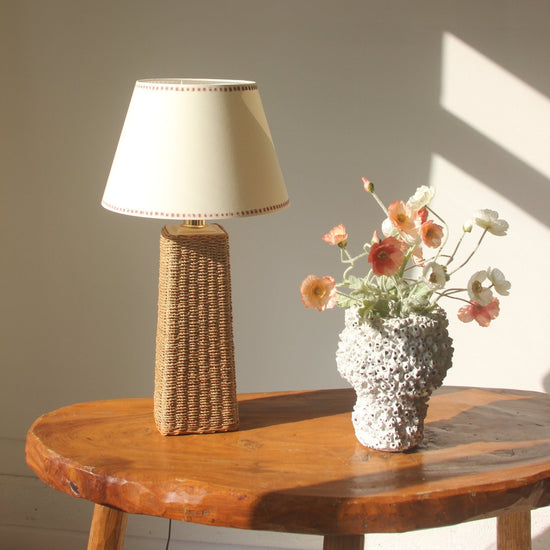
(500, 284)
(389, 229)
(488, 219)
(435, 275)
(477, 292)
(422, 196)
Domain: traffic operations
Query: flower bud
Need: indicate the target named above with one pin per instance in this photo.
(368, 185)
(467, 226)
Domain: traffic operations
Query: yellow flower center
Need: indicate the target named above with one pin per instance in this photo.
(319, 291)
(476, 287)
(401, 218)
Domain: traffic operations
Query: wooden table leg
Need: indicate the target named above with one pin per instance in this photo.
(343, 542)
(108, 529)
(514, 531)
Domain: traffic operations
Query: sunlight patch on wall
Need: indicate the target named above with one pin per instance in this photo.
(496, 103)
(492, 356)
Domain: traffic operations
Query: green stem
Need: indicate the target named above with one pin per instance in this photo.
(452, 256)
(380, 203)
(348, 296)
(452, 297)
(446, 230)
(349, 258)
(407, 258)
(470, 256)
(352, 261)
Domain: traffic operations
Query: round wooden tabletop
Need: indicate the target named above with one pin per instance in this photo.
(295, 465)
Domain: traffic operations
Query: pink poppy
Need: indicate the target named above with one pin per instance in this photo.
(482, 314)
(405, 219)
(319, 292)
(337, 235)
(386, 256)
(431, 234)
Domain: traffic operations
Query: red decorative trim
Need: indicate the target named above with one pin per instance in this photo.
(196, 216)
(180, 88)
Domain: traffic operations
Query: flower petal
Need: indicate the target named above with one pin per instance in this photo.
(466, 313)
(500, 284)
(489, 220)
(477, 292)
(319, 292)
(336, 236)
(422, 196)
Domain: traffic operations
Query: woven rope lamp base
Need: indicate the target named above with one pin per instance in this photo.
(195, 387)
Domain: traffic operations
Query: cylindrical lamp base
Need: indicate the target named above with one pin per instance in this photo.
(195, 386)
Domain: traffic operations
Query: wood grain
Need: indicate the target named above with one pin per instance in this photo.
(107, 529)
(514, 531)
(296, 466)
(344, 542)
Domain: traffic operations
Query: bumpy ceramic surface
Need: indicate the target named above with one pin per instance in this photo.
(394, 365)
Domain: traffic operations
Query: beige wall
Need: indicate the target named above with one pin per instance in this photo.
(350, 88)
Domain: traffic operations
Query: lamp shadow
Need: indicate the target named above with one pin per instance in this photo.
(287, 408)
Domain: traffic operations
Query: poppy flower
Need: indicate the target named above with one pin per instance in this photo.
(404, 218)
(337, 235)
(431, 233)
(488, 219)
(386, 256)
(483, 315)
(319, 292)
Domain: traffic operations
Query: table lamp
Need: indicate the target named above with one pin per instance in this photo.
(194, 150)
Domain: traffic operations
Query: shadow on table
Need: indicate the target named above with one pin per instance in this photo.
(506, 416)
(423, 496)
(285, 408)
(475, 464)
(260, 411)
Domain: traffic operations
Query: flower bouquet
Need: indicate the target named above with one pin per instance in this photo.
(388, 290)
(395, 348)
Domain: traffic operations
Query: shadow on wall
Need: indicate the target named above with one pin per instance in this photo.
(542, 542)
(546, 386)
(478, 92)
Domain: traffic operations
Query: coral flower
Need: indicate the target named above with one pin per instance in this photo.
(404, 218)
(319, 292)
(423, 214)
(386, 256)
(482, 314)
(337, 235)
(431, 234)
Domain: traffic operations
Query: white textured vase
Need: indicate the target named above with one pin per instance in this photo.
(394, 365)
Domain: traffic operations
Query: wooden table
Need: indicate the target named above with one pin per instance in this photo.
(295, 466)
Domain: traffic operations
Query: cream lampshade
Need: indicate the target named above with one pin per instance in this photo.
(193, 150)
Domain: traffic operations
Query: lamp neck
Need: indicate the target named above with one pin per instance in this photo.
(194, 223)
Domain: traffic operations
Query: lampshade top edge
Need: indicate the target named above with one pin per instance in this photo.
(196, 84)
